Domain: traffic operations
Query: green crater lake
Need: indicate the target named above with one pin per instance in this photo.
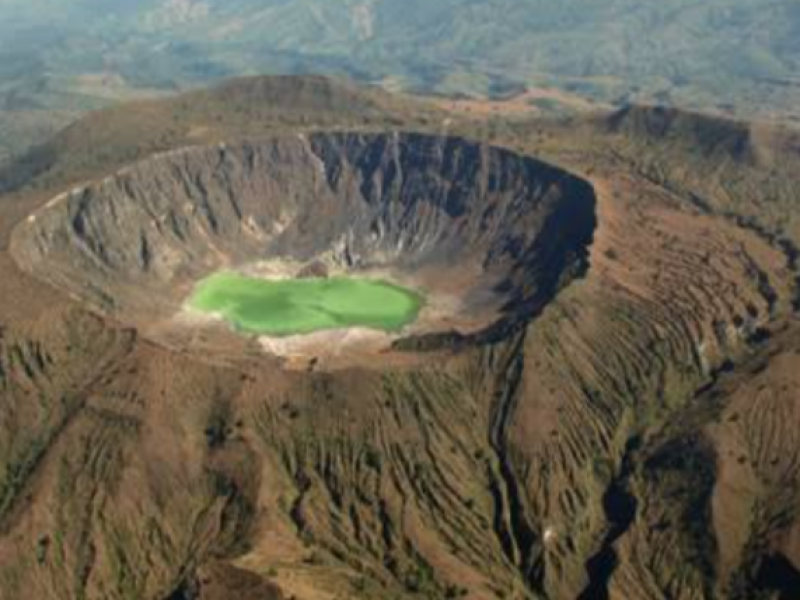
(303, 306)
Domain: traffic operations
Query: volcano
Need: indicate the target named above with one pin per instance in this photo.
(487, 235)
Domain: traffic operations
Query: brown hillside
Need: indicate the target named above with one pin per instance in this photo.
(631, 437)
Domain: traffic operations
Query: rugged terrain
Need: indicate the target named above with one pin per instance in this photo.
(632, 436)
(739, 57)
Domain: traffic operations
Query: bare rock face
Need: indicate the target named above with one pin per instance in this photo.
(489, 236)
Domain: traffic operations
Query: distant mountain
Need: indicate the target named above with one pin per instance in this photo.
(735, 56)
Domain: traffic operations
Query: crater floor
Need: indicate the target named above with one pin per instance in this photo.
(302, 306)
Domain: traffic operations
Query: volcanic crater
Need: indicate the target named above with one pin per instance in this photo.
(488, 236)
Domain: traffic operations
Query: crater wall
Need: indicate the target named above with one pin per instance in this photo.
(487, 234)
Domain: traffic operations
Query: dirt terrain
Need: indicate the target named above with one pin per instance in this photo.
(630, 432)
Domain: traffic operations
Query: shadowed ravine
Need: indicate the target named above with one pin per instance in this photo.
(620, 510)
(516, 534)
(778, 575)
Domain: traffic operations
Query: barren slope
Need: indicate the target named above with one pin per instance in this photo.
(632, 440)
